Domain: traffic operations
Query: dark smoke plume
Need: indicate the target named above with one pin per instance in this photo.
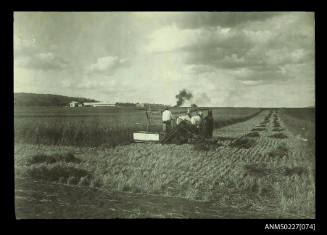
(183, 96)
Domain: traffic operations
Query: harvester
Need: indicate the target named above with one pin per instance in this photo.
(180, 133)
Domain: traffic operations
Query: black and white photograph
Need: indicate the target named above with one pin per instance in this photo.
(164, 115)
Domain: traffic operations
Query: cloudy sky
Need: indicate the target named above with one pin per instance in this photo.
(232, 59)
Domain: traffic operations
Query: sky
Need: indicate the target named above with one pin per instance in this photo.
(225, 59)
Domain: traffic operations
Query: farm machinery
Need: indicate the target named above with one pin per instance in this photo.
(180, 133)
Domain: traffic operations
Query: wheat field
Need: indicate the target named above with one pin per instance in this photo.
(256, 165)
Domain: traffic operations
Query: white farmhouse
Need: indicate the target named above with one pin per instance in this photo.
(73, 104)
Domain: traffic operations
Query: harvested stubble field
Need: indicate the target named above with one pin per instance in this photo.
(272, 176)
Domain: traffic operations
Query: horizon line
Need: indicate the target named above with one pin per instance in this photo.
(311, 106)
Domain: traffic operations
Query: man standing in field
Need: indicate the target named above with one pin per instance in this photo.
(196, 121)
(166, 119)
(187, 117)
(208, 124)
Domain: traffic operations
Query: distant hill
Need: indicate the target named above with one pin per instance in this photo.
(31, 99)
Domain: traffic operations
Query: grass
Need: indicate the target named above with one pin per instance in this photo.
(245, 143)
(206, 145)
(201, 147)
(277, 129)
(296, 171)
(257, 170)
(258, 129)
(224, 138)
(281, 151)
(95, 127)
(226, 122)
(261, 170)
(301, 122)
(44, 158)
(279, 136)
(304, 114)
(56, 172)
(178, 171)
(73, 132)
(253, 134)
(253, 174)
(59, 167)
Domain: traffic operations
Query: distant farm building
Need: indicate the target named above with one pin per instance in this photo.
(73, 104)
(98, 104)
(140, 106)
(88, 104)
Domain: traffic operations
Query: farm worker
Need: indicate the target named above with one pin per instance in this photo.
(208, 124)
(186, 117)
(197, 119)
(166, 119)
(196, 122)
(200, 114)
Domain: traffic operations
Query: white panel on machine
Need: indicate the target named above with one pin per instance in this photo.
(141, 137)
